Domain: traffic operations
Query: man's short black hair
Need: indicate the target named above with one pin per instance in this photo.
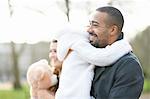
(115, 16)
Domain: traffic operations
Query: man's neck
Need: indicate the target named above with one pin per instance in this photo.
(116, 38)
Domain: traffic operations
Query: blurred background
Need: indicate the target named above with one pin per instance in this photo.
(27, 26)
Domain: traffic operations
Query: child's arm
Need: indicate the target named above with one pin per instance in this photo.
(66, 39)
(78, 41)
(102, 56)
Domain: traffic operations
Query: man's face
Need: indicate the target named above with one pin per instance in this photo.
(98, 30)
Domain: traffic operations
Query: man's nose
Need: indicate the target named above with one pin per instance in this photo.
(89, 29)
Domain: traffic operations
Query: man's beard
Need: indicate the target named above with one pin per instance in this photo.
(95, 44)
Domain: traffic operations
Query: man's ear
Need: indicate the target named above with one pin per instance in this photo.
(113, 30)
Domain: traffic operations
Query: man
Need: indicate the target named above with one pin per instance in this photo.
(123, 79)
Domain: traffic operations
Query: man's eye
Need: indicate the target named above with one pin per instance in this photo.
(94, 24)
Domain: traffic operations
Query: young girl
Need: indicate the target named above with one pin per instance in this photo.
(55, 64)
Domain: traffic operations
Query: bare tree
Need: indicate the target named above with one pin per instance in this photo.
(15, 55)
(65, 7)
(15, 52)
(15, 69)
(67, 2)
(10, 8)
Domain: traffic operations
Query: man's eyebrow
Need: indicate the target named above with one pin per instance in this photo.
(94, 22)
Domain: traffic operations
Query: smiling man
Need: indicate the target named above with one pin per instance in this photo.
(124, 79)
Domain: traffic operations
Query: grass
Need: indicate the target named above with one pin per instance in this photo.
(15, 94)
(147, 85)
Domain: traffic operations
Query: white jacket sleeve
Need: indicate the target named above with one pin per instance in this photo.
(101, 56)
(66, 38)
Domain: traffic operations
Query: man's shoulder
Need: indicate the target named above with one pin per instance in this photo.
(128, 63)
(125, 61)
(130, 57)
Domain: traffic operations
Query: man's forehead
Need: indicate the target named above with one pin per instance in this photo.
(92, 15)
(97, 16)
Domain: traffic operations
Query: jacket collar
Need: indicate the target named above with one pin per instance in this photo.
(120, 36)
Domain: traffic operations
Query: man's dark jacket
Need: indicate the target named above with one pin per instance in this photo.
(122, 80)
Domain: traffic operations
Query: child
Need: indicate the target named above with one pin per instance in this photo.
(54, 62)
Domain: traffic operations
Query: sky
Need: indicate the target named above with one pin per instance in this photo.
(38, 20)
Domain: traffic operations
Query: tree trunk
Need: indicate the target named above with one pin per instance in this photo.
(67, 9)
(15, 68)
